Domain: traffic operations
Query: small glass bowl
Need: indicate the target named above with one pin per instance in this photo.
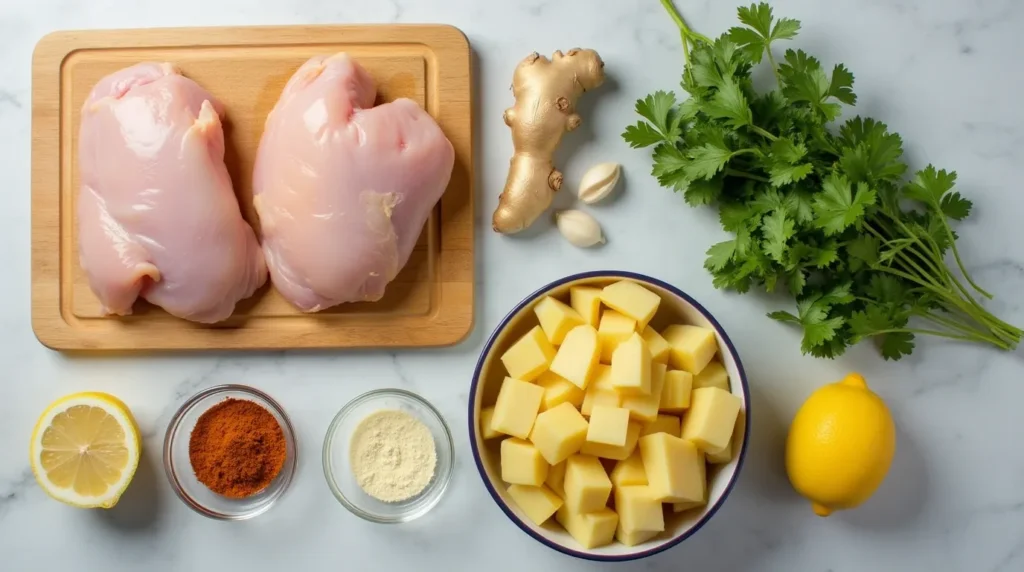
(338, 469)
(179, 467)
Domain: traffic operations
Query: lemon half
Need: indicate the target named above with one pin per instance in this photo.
(85, 449)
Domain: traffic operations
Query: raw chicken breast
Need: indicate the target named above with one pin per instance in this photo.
(343, 188)
(157, 216)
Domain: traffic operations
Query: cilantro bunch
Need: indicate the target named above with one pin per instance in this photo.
(822, 209)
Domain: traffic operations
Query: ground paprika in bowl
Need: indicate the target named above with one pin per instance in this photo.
(229, 452)
(237, 448)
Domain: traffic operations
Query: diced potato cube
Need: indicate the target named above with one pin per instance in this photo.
(711, 418)
(629, 472)
(685, 506)
(631, 299)
(614, 329)
(578, 355)
(631, 366)
(591, 530)
(586, 485)
(713, 375)
(539, 503)
(608, 425)
(644, 408)
(559, 432)
(612, 452)
(587, 302)
(556, 318)
(675, 468)
(522, 463)
(657, 344)
(530, 356)
(516, 408)
(602, 377)
(663, 424)
(486, 415)
(675, 395)
(725, 454)
(595, 396)
(638, 509)
(558, 390)
(632, 538)
(556, 478)
(692, 347)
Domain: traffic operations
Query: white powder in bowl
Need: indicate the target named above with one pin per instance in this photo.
(392, 455)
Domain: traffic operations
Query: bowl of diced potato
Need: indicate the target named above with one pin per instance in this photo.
(608, 415)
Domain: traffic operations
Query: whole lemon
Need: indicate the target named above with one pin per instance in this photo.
(840, 445)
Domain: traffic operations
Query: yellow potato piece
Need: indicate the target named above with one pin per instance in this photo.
(587, 302)
(638, 509)
(556, 318)
(539, 503)
(556, 478)
(663, 424)
(631, 366)
(675, 395)
(559, 432)
(692, 347)
(608, 426)
(516, 408)
(558, 390)
(530, 356)
(614, 329)
(644, 408)
(656, 344)
(629, 472)
(591, 530)
(586, 485)
(713, 375)
(710, 420)
(612, 452)
(631, 299)
(522, 463)
(486, 415)
(578, 355)
(675, 468)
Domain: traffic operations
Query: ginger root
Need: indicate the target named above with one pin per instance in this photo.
(546, 92)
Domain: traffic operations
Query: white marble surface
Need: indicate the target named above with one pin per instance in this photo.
(944, 73)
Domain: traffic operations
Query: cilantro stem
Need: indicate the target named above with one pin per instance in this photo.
(763, 133)
(685, 32)
(956, 255)
(939, 333)
(960, 326)
(771, 61)
(737, 173)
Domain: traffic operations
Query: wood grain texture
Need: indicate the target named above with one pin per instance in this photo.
(430, 302)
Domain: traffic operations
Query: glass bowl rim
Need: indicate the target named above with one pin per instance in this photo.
(174, 426)
(346, 410)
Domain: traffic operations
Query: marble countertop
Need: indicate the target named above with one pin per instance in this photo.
(943, 73)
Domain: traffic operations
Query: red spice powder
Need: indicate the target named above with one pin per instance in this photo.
(237, 448)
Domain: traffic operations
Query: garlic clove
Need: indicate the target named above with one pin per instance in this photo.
(598, 182)
(579, 228)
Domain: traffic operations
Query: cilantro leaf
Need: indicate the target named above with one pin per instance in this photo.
(785, 29)
(797, 281)
(886, 289)
(706, 161)
(656, 108)
(777, 229)
(749, 41)
(734, 216)
(870, 152)
(826, 255)
(784, 149)
(863, 251)
(838, 294)
(798, 204)
(955, 206)
(783, 316)
(781, 174)
(819, 330)
(758, 17)
(702, 192)
(837, 207)
(642, 135)
(719, 255)
(730, 104)
(841, 85)
(897, 344)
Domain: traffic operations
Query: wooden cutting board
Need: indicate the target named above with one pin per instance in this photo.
(430, 303)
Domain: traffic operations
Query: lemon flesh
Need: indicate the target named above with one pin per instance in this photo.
(840, 445)
(85, 449)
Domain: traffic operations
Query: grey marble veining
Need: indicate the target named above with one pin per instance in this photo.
(943, 73)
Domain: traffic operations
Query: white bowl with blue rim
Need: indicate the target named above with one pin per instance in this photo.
(676, 307)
